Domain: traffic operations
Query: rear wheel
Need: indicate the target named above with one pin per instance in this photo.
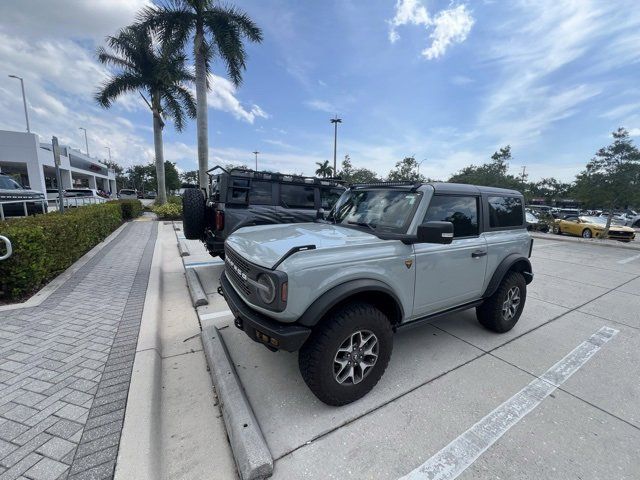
(346, 355)
(586, 233)
(502, 310)
(193, 209)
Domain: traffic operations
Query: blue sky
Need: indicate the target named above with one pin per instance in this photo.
(448, 82)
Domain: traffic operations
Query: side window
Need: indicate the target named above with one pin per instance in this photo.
(329, 196)
(505, 212)
(260, 193)
(297, 196)
(239, 190)
(459, 210)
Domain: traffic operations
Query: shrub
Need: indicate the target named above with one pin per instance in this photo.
(45, 245)
(169, 211)
(130, 208)
(174, 199)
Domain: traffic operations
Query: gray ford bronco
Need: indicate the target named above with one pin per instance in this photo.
(386, 256)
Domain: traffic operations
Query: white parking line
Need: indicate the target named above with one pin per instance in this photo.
(454, 459)
(209, 316)
(630, 259)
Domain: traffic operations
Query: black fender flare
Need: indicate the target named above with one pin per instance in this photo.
(514, 261)
(332, 297)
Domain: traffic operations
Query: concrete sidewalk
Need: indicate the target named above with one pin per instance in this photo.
(65, 365)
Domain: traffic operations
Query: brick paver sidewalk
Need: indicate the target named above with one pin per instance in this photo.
(65, 366)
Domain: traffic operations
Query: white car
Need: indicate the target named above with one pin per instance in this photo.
(128, 194)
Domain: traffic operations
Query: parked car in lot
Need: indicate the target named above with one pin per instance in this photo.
(590, 227)
(535, 223)
(387, 256)
(150, 195)
(242, 197)
(128, 194)
(13, 195)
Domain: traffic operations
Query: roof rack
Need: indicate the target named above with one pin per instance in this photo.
(277, 176)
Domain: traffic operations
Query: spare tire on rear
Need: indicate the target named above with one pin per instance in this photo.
(193, 209)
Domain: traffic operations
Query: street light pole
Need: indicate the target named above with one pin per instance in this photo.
(335, 122)
(109, 150)
(256, 154)
(24, 100)
(86, 142)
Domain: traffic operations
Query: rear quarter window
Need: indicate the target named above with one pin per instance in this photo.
(505, 212)
(297, 196)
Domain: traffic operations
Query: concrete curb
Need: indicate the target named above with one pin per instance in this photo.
(198, 297)
(44, 293)
(250, 451)
(140, 453)
(593, 241)
(182, 248)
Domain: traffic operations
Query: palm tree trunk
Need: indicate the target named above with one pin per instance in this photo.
(157, 142)
(201, 109)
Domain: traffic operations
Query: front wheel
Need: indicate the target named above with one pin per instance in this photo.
(556, 229)
(346, 354)
(586, 233)
(502, 310)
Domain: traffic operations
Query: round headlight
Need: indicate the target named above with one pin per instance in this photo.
(266, 288)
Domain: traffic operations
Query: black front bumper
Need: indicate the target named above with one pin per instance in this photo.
(259, 327)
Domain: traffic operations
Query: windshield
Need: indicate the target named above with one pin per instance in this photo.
(601, 220)
(380, 210)
(531, 218)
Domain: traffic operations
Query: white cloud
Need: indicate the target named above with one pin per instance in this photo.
(221, 96)
(321, 105)
(461, 80)
(447, 27)
(634, 132)
(451, 26)
(77, 19)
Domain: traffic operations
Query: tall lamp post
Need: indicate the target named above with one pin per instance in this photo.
(256, 154)
(109, 150)
(335, 122)
(86, 142)
(24, 100)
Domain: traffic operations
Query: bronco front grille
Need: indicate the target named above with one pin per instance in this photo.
(236, 274)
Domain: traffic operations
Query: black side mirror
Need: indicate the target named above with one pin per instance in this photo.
(435, 232)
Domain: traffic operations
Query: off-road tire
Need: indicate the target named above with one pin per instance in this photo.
(490, 312)
(193, 210)
(316, 357)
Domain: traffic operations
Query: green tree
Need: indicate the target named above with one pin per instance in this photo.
(549, 189)
(172, 178)
(217, 31)
(492, 174)
(324, 169)
(356, 175)
(612, 177)
(156, 68)
(121, 179)
(190, 177)
(406, 170)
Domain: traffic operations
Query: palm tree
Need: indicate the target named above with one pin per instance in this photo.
(218, 31)
(324, 169)
(152, 67)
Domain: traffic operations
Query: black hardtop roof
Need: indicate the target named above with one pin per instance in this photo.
(243, 172)
(441, 187)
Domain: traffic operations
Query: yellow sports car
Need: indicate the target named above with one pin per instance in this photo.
(589, 227)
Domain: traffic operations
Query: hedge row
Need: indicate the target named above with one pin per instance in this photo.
(46, 245)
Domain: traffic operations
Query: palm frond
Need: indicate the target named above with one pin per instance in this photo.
(116, 86)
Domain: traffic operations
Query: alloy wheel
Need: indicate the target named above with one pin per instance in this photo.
(355, 357)
(511, 303)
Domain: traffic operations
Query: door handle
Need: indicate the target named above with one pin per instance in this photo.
(478, 253)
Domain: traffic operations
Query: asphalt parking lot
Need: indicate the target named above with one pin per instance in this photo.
(458, 401)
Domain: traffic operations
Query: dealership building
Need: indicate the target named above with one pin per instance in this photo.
(30, 161)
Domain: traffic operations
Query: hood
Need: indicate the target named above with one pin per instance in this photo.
(265, 245)
(612, 228)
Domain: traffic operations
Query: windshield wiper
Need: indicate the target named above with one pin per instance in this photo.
(363, 224)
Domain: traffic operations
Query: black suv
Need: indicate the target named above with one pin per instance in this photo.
(13, 197)
(242, 198)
